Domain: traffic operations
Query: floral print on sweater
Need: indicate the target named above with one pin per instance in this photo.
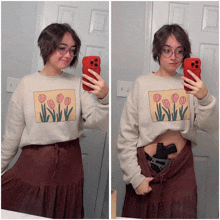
(55, 106)
(171, 105)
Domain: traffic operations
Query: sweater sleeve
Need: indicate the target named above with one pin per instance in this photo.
(95, 112)
(14, 127)
(128, 138)
(206, 114)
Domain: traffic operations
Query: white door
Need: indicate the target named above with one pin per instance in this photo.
(200, 19)
(90, 21)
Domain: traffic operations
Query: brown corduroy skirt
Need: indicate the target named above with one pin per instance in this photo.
(47, 180)
(174, 190)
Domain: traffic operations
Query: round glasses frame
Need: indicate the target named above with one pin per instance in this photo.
(63, 49)
(179, 53)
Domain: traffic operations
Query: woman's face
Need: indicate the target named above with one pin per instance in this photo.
(171, 55)
(63, 55)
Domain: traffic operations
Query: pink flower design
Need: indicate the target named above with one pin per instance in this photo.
(51, 104)
(157, 97)
(175, 97)
(67, 100)
(166, 103)
(41, 98)
(182, 100)
(60, 98)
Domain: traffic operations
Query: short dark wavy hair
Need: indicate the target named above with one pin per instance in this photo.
(51, 37)
(161, 36)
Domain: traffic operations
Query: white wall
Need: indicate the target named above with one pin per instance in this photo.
(128, 52)
(18, 30)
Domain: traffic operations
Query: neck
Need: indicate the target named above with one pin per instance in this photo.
(163, 73)
(50, 71)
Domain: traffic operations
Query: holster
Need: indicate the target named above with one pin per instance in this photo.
(159, 161)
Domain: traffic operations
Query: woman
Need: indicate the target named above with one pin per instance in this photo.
(45, 118)
(158, 124)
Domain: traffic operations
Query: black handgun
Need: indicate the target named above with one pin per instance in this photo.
(163, 152)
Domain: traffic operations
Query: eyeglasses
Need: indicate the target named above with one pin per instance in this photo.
(179, 52)
(62, 49)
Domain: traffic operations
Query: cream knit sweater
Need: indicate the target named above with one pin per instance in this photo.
(155, 105)
(50, 109)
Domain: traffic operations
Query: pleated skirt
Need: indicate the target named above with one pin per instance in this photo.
(47, 180)
(174, 190)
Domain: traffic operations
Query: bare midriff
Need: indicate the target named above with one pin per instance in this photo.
(169, 137)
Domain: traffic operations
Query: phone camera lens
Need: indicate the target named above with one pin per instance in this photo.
(197, 61)
(96, 64)
(96, 60)
(197, 66)
(192, 64)
(91, 62)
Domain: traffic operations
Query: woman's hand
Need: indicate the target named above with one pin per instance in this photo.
(198, 88)
(144, 187)
(99, 87)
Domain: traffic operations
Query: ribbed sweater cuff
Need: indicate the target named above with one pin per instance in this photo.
(206, 101)
(105, 100)
(137, 180)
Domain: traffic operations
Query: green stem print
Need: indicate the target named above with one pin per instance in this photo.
(159, 115)
(59, 114)
(44, 117)
(166, 104)
(52, 114)
(174, 98)
(51, 104)
(182, 113)
(66, 113)
(174, 114)
(167, 113)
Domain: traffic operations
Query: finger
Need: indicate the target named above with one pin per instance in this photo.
(92, 80)
(150, 179)
(188, 80)
(189, 86)
(194, 75)
(98, 77)
(88, 84)
(190, 92)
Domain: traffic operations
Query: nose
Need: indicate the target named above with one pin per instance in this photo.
(173, 55)
(67, 54)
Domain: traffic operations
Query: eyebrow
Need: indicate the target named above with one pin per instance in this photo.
(171, 47)
(67, 45)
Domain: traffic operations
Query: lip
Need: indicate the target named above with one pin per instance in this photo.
(66, 61)
(173, 63)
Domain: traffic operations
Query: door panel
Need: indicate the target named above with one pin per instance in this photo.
(90, 21)
(94, 147)
(200, 19)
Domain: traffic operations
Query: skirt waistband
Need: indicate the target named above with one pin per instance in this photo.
(59, 144)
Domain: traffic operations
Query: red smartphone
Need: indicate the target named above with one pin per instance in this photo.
(193, 64)
(93, 63)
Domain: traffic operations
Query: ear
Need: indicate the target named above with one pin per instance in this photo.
(158, 60)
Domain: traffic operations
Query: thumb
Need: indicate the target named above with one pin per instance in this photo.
(150, 179)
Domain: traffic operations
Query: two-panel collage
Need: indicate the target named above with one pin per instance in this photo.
(109, 109)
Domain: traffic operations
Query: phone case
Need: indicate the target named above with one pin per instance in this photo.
(193, 64)
(93, 63)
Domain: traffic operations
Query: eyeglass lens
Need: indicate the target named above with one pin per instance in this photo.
(167, 52)
(62, 49)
